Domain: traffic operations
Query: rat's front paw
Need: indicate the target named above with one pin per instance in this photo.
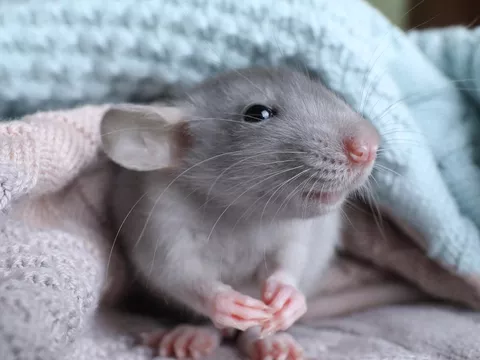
(183, 341)
(287, 302)
(232, 309)
(278, 346)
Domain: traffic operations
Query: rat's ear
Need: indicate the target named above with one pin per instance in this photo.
(144, 138)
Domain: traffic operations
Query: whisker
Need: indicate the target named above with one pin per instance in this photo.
(258, 199)
(119, 230)
(239, 162)
(249, 180)
(256, 86)
(382, 167)
(389, 32)
(238, 197)
(391, 142)
(377, 215)
(286, 200)
(172, 182)
(285, 183)
(309, 192)
(418, 96)
(403, 131)
(345, 215)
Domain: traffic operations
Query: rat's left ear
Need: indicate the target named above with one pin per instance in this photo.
(144, 138)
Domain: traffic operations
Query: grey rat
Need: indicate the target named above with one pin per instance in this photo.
(225, 195)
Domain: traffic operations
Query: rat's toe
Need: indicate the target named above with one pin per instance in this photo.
(203, 343)
(183, 341)
(280, 346)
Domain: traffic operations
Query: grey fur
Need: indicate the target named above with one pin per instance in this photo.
(233, 206)
(311, 119)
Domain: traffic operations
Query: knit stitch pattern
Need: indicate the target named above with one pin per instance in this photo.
(419, 89)
(61, 53)
(59, 262)
(53, 248)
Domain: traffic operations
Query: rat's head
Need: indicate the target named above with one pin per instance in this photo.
(266, 141)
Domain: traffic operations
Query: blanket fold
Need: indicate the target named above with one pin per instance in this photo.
(51, 151)
(58, 262)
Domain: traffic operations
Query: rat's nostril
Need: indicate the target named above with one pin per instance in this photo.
(360, 152)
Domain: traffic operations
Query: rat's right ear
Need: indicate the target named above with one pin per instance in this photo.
(144, 138)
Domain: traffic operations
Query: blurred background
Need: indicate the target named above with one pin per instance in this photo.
(430, 13)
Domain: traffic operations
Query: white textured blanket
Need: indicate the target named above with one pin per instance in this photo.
(58, 264)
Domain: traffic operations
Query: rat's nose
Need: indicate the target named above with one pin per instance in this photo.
(362, 148)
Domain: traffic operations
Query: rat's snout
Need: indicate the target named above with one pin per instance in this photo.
(361, 147)
(359, 151)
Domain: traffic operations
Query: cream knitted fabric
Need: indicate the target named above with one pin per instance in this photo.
(58, 262)
(52, 268)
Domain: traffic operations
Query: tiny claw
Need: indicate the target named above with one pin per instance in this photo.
(266, 331)
(268, 292)
(252, 303)
(288, 304)
(233, 309)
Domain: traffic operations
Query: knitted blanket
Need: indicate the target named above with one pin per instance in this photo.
(56, 260)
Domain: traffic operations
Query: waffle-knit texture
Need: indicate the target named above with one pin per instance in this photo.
(59, 262)
(53, 238)
(58, 53)
(419, 89)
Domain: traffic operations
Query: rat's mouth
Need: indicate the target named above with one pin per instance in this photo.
(324, 197)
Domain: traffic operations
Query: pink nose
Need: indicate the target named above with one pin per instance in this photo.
(361, 151)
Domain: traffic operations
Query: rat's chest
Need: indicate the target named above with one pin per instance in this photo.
(239, 253)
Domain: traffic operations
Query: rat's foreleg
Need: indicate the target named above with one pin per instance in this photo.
(198, 289)
(280, 280)
(189, 281)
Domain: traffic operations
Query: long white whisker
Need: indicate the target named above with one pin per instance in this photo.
(171, 183)
(248, 181)
(287, 199)
(285, 183)
(367, 74)
(119, 230)
(382, 167)
(309, 192)
(235, 164)
(258, 199)
(238, 197)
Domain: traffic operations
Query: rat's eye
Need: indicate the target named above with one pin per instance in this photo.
(257, 113)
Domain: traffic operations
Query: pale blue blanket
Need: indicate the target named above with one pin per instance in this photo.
(420, 89)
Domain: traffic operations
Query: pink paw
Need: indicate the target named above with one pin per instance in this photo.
(232, 309)
(287, 302)
(183, 341)
(280, 346)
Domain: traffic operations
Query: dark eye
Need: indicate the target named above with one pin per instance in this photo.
(257, 113)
